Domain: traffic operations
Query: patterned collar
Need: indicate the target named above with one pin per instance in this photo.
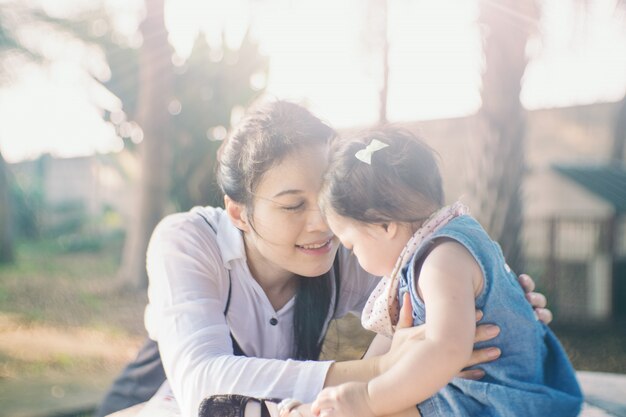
(382, 308)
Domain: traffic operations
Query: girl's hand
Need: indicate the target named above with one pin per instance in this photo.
(537, 300)
(303, 410)
(345, 400)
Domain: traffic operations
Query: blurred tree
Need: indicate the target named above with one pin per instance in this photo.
(6, 233)
(9, 48)
(184, 115)
(17, 50)
(197, 102)
(211, 86)
(376, 46)
(94, 26)
(156, 92)
(207, 87)
(497, 153)
(619, 134)
(619, 131)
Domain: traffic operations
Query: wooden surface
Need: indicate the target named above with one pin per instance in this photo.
(605, 396)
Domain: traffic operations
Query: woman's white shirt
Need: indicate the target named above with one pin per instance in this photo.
(191, 272)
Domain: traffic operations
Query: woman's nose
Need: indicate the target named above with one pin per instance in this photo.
(316, 221)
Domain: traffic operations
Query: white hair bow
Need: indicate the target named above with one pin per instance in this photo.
(365, 155)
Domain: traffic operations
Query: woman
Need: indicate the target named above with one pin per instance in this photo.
(261, 278)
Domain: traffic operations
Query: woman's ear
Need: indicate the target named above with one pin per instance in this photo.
(237, 214)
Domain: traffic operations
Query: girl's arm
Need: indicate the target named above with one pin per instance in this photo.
(449, 280)
(379, 346)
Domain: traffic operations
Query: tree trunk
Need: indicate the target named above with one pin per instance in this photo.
(498, 162)
(384, 90)
(156, 78)
(376, 43)
(619, 133)
(6, 232)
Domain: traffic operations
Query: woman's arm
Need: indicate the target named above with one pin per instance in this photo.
(187, 295)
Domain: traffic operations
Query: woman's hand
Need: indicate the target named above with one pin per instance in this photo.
(537, 300)
(489, 331)
(483, 333)
(403, 337)
(405, 332)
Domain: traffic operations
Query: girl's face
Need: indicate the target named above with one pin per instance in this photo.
(288, 234)
(377, 247)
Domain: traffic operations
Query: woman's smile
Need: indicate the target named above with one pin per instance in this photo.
(317, 248)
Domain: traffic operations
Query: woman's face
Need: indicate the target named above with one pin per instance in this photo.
(289, 233)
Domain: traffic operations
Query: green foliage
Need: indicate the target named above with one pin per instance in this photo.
(67, 223)
(66, 218)
(26, 205)
(75, 231)
(208, 86)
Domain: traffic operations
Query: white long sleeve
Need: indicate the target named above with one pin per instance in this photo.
(189, 272)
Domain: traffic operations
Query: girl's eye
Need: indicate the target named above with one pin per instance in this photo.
(294, 208)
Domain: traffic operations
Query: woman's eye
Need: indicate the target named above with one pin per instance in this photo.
(293, 208)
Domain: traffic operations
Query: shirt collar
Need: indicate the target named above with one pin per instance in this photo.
(230, 241)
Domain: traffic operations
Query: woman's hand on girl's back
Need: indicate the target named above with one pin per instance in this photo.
(406, 334)
(489, 331)
(537, 300)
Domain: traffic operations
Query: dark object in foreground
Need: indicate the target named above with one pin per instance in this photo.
(230, 405)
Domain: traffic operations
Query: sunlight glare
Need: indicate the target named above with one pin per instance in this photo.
(581, 67)
(68, 121)
(322, 54)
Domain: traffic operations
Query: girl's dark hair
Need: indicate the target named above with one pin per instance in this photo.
(402, 184)
(262, 140)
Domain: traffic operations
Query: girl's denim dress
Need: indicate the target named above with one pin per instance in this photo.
(533, 377)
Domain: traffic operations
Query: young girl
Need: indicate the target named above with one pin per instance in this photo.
(383, 198)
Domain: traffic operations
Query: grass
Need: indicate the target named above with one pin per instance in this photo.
(49, 285)
(66, 327)
(595, 347)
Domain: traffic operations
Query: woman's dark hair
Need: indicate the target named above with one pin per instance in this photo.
(402, 183)
(264, 137)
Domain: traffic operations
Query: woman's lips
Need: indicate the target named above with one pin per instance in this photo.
(318, 248)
